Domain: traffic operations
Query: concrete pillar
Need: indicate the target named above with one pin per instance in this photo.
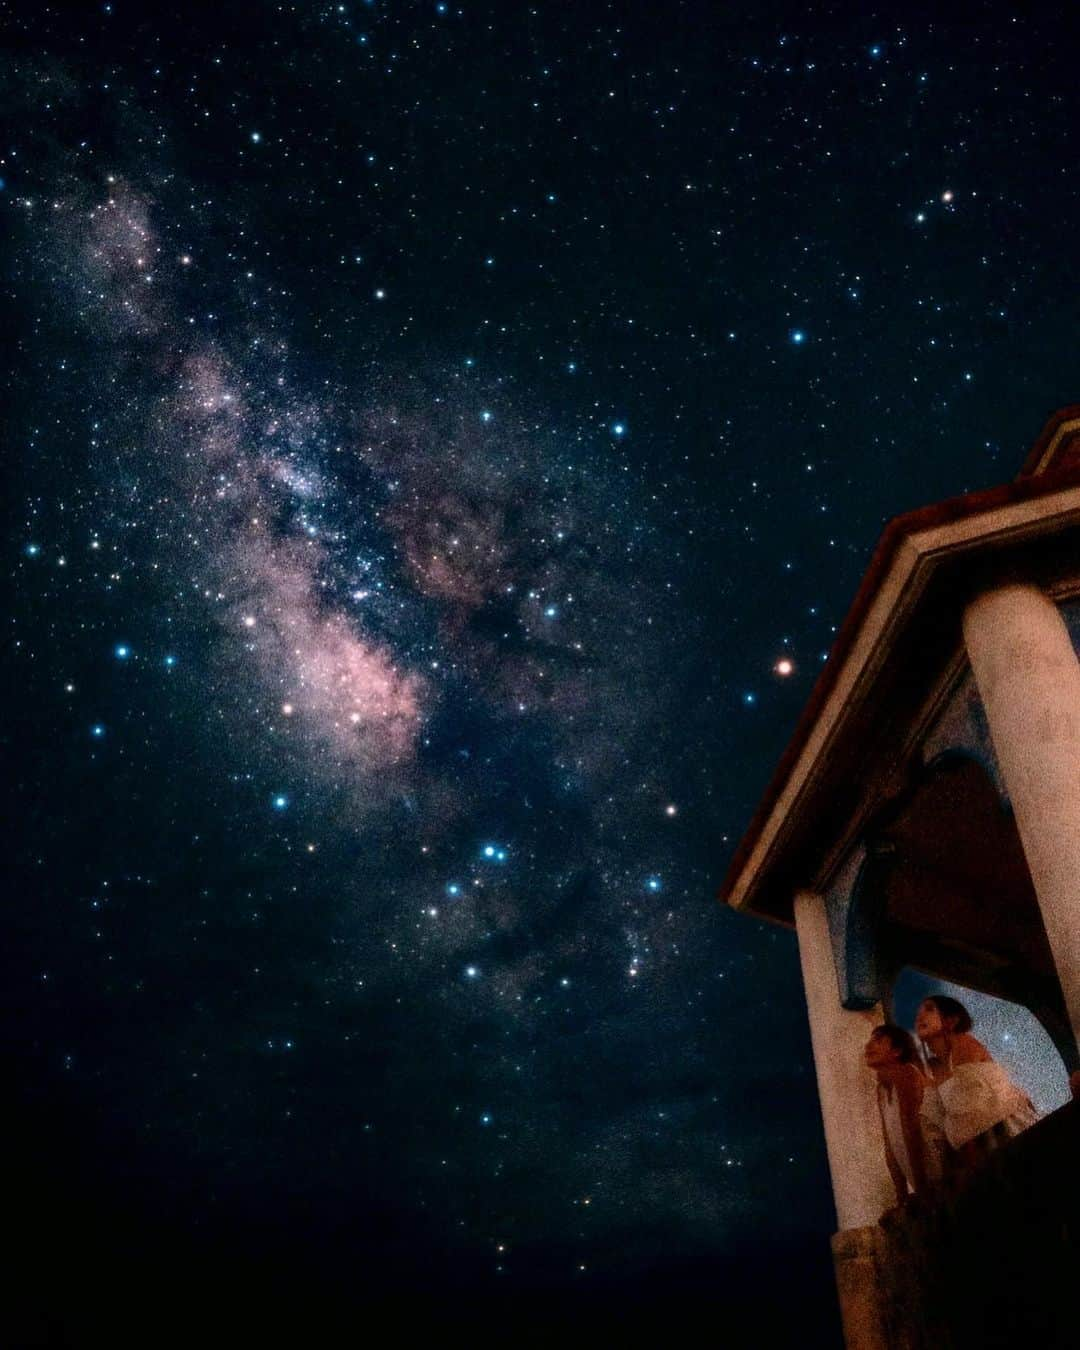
(861, 1184)
(1028, 677)
(862, 1266)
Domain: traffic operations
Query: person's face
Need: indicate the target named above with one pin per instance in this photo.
(928, 1021)
(880, 1052)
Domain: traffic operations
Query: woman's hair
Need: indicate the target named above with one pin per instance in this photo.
(950, 1008)
(902, 1041)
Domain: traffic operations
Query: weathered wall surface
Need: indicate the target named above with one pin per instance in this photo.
(996, 1266)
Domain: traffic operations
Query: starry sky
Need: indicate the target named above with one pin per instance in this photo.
(444, 439)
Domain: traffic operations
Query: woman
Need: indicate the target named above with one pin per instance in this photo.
(913, 1166)
(972, 1104)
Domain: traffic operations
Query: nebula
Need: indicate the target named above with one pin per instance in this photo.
(229, 456)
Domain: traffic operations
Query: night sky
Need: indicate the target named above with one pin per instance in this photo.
(443, 440)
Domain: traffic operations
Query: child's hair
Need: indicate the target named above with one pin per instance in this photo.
(902, 1041)
(950, 1008)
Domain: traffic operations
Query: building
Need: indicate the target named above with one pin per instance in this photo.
(926, 814)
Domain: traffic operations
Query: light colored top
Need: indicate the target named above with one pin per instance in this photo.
(893, 1124)
(973, 1099)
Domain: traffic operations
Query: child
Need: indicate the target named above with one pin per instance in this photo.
(973, 1102)
(913, 1166)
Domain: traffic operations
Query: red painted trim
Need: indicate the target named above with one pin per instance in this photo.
(1025, 488)
(1047, 435)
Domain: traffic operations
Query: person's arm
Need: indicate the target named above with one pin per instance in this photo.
(895, 1170)
(911, 1094)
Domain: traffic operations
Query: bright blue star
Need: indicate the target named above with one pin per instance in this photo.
(472, 972)
(551, 612)
(279, 801)
(32, 550)
(453, 889)
(798, 336)
(618, 429)
(97, 731)
(486, 416)
(653, 884)
(170, 661)
(485, 1119)
(876, 50)
(749, 699)
(122, 651)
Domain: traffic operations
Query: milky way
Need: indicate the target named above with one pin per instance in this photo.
(445, 441)
(433, 626)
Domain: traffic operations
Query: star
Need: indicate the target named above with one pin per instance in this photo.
(442, 634)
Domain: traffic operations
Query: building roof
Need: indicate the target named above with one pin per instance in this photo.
(900, 638)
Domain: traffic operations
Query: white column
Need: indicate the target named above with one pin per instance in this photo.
(1028, 677)
(861, 1184)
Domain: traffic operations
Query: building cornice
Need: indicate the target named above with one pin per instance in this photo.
(973, 540)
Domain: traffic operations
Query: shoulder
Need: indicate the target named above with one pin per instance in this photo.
(912, 1081)
(967, 1050)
